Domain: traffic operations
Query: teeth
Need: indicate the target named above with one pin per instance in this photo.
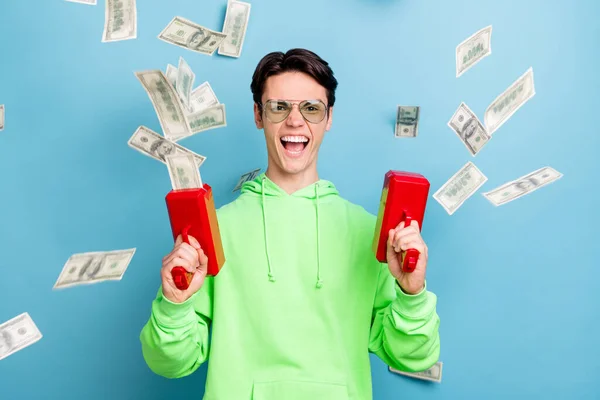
(297, 139)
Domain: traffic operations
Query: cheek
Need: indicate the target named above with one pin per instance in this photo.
(270, 131)
(317, 132)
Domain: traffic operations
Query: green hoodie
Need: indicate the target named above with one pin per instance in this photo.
(297, 306)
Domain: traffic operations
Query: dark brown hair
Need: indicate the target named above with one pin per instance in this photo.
(300, 60)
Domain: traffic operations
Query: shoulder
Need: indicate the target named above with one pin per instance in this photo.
(357, 214)
(237, 207)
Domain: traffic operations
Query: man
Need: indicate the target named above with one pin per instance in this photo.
(301, 300)
(199, 39)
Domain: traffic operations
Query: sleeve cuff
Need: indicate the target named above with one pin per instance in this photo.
(413, 305)
(173, 314)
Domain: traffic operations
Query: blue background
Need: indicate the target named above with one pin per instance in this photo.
(517, 285)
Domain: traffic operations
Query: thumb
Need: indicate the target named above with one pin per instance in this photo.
(203, 261)
(197, 281)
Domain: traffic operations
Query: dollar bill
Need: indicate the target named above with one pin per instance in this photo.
(153, 145)
(183, 171)
(90, 2)
(208, 118)
(460, 187)
(94, 267)
(407, 121)
(203, 97)
(120, 20)
(248, 176)
(171, 74)
(1, 117)
(433, 374)
(235, 25)
(17, 333)
(513, 98)
(166, 103)
(473, 49)
(524, 185)
(469, 129)
(189, 35)
(185, 82)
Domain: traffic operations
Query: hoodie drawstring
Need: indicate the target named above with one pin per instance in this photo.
(262, 187)
(319, 283)
(319, 280)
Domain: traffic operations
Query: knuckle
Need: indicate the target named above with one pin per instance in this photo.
(176, 261)
(185, 262)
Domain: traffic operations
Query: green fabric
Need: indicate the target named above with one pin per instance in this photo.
(297, 307)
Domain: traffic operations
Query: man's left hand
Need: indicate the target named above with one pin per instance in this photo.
(401, 239)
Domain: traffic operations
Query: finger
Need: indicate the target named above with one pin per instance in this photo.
(390, 240)
(179, 262)
(178, 241)
(189, 265)
(396, 241)
(195, 244)
(415, 244)
(190, 256)
(400, 225)
(415, 224)
(197, 281)
(404, 237)
(189, 249)
(402, 240)
(408, 230)
(202, 259)
(182, 251)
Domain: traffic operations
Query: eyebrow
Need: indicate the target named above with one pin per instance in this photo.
(293, 100)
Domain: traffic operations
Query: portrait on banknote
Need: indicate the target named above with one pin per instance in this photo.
(199, 39)
(6, 343)
(161, 148)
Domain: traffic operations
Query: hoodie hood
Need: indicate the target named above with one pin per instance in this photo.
(262, 184)
(268, 190)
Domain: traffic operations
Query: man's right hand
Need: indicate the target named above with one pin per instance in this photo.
(192, 258)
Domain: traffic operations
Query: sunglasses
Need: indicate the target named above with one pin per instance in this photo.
(312, 111)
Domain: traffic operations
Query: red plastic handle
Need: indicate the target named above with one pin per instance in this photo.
(410, 256)
(181, 277)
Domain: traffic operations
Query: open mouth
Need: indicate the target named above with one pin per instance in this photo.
(294, 145)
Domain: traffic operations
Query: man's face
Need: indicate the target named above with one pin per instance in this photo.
(164, 149)
(470, 128)
(526, 184)
(5, 343)
(197, 38)
(294, 87)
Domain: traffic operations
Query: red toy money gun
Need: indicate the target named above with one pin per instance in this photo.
(192, 212)
(403, 198)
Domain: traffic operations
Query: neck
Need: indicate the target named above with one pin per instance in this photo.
(291, 183)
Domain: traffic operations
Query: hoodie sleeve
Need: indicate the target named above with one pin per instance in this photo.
(175, 338)
(404, 329)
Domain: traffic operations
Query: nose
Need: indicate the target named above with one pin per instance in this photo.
(295, 119)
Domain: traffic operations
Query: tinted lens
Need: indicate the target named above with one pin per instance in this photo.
(277, 110)
(313, 110)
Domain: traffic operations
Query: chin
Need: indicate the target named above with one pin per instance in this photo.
(294, 160)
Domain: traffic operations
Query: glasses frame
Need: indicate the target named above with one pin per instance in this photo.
(263, 109)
